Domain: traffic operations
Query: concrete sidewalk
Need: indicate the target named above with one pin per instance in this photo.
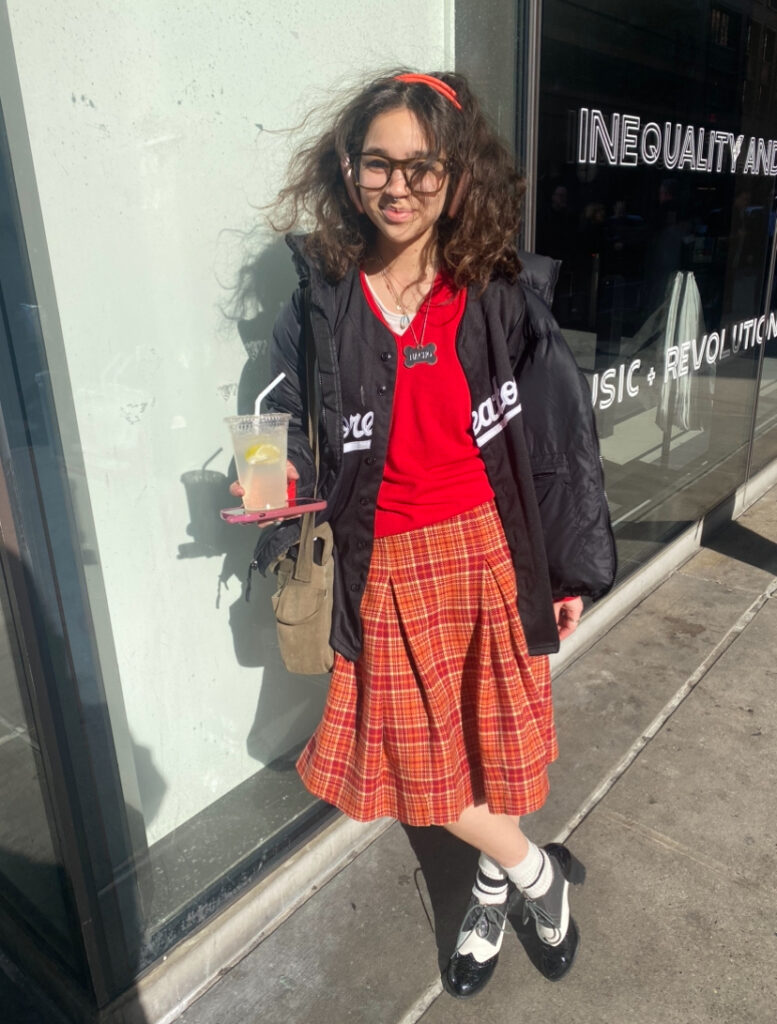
(665, 789)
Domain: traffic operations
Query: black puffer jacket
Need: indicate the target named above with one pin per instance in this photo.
(560, 431)
(537, 440)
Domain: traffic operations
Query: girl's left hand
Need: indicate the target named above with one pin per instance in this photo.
(567, 616)
(291, 474)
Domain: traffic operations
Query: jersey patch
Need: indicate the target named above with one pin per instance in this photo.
(357, 431)
(493, 414)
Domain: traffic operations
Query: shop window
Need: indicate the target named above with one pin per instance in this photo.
(655, 185)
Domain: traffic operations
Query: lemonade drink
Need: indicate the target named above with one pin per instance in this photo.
(260, 458)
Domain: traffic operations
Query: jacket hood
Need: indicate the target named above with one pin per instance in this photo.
(539, 274)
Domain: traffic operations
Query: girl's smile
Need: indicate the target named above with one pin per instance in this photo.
(396, 214)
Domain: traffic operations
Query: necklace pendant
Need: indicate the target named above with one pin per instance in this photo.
(417, 354)
(404, 321)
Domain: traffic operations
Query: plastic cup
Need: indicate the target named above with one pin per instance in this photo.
(260, 457)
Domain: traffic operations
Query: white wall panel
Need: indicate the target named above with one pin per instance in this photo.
(156, 128)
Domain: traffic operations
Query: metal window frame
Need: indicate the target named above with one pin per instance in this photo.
(52, 618)
(768, 289)
(527, 129)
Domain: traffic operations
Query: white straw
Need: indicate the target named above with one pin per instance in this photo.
(266, 391)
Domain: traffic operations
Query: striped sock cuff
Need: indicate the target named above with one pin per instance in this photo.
(491, 867)
(489, 890)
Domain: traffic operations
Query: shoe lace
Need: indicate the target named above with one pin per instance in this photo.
(480, 918)
(531, 908)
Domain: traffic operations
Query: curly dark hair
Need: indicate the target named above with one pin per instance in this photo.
(478, 243)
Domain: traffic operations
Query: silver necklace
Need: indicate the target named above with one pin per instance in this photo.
(404, 320)
(418, 353)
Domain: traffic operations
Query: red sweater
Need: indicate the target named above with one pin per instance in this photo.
(433, 467)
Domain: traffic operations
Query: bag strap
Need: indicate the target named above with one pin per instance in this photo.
(310, 379)
(304, 565)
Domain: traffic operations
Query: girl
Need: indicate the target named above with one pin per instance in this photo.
(467, 509)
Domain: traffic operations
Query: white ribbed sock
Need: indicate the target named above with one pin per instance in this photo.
(533, 874)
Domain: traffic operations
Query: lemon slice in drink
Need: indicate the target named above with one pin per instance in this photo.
(261, 453)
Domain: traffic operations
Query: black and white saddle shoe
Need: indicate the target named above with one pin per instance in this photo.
(555, 955)
(477, 948)
(553, 962)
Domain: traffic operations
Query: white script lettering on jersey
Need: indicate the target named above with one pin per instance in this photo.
(359, 427)
(495, 412)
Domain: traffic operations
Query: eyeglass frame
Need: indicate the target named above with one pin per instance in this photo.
(402, 165)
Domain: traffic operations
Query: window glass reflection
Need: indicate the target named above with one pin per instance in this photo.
(31, 874)
(655, 184)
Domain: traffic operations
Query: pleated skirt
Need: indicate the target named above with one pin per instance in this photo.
(445, 707)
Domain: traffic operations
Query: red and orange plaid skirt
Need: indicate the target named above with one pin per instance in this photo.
(445, 707)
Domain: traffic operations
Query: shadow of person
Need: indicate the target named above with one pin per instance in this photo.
(151, 783)
(287, 712)
(288, 706)
(448, 868)
(264, 284)
(745, 545)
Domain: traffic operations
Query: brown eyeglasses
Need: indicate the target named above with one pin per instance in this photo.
(425, 176)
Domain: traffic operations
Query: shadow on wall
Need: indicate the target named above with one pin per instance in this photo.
(264, 284)
(289, 706)
(151, 783)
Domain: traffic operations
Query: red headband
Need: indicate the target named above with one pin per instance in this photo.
(434, 83)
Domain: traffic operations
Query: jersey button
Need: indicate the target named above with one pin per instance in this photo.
(364, 501)
(370, 460)
(355, 586)
(382, 389)
(386, 357)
